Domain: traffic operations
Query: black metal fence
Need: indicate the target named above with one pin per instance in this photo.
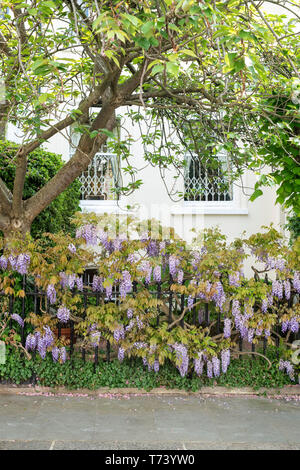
(34, 299)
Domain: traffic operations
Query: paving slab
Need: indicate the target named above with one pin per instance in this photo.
(148, 422)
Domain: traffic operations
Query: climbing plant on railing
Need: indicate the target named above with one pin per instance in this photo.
(155, 298)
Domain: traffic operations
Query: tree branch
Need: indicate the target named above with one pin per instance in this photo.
(74, 167)
(83, 107)
(5, 198)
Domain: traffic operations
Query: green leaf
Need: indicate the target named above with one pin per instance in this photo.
(256, 194)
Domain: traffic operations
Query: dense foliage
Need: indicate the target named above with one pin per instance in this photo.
(223, 66)
(148, 275)
(77, 374)
(42, 166)
(293, 226)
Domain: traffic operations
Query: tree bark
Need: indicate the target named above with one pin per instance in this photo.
(15, 228)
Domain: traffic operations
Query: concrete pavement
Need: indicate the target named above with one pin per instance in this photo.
(148, 422)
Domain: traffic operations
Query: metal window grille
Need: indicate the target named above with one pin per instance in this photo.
(101, 177)
(202, 183)
(99, 180)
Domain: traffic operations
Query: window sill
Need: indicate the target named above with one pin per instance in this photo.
(99, 206)
(191, 209)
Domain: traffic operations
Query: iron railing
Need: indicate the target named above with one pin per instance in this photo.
(204, 183)
(176, 305)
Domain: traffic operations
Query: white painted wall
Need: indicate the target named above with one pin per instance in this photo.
(152, 201)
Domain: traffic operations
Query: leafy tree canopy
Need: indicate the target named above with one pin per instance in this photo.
(219, 65)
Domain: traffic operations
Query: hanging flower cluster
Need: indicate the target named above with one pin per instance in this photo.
(148, 290)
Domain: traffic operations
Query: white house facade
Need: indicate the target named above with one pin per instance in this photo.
(205, 202)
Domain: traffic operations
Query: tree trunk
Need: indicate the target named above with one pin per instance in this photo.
(15, 228)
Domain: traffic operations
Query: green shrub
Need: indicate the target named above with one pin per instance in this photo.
(293, 226)
(76, 374)
(42, 166)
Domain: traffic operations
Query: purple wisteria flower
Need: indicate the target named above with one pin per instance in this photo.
(18, 319)
(119, 333)
(118, 242)
(79, 283)
(139, 345)
(89, 233)
(41, 342)
(277, 289)
(3, 262)
(199, 364)
(130, 325)
(275, 263)
(157, 274)
(296, 282)
(236, 309)
(126, 284)
(12, 261)
(270, 300)
(162, 248)
(294, 325)
(41, 347)
(31, 342)
(139, 323)
(285, 326)
(146, 268)
(71, 280)
(195, 259)
(121, 353)
(152, 248)
(190, 302)
(95, 337)
(63, 280)
(288, 367)
(173, 264)
(156, 365)
(51, 293)
(180, 276)
(132, 258)
(219, 296)
(55, 353)
(225, 359)
(227, 328)
(129, 313)
(182, 358)
(234, 279)
(216, 366)
(244, 331)
(72, 248)
(209, 369)
(264, 305)
(48, 337)
(287, 289)
(97, 284)
(250, 335)
(22, 263)
(63, 354)
(267, 332)
(63, 314)
(103, 238)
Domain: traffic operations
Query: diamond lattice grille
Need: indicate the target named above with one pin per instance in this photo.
(205, 184)
(99, 179)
